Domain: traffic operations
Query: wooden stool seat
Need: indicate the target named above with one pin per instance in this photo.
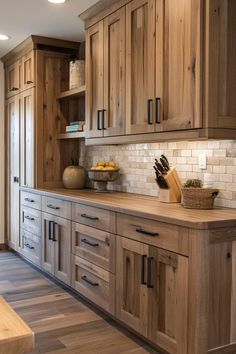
(15, 335)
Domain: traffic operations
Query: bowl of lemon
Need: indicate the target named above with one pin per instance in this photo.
(102, 173)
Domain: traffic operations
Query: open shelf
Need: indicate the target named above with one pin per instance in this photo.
(77, 92)
(75, 135)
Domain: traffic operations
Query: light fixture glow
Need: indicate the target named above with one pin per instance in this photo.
(57, 1)
(3, 37)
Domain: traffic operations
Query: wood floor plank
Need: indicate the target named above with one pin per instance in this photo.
(62, 324)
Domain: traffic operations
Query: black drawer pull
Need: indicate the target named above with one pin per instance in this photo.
(53, 207)
(29, 200)
(149, 101)
(54, 231)
(28, 246)
(149, 233)
(98, 119)
(29, 218)
(14, 89)
(90, 282)
(94, 218)
(143, 270)
(84, 240)
(149, 272)
(157, 100)
(29, 82)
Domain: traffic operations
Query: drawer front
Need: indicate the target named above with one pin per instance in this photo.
(96, 246)
(98, 218)
(31, 200)
(170, 237)
(31, 220)
(94, 283)
(56, 207)
(31, 246)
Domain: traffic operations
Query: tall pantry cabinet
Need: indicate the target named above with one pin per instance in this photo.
(36, 67)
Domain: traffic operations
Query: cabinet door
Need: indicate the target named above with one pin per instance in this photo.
(167, 275)
(13, 79)
(94, 81)
(13, 211)
(179, 64)
(28, 74)
(131, 289)
(140, 66)
(62, 243)
(27, 139)
(47, 243)
(114, 73)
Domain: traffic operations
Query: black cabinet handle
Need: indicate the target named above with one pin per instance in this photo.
(149, 101)
(16, 179)
(53, 207)
(84, 240)
(90, 282)
(14, 89)
(157, 100)
(143, 258)
(98, 119)
(149, 272)
(29, 200)
(29, 218)
(54, 231)
(29, 82)
(149, 233)
(94, 218)
(103, 119)
(50, 224)
(28, 246)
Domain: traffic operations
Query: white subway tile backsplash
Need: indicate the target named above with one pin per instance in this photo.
(136, 165)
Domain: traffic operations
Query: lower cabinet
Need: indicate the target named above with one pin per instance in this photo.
(95, 283)
(56, 246)
(30, 247)
(152, 293)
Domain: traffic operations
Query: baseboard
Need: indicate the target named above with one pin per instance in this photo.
(3, 247)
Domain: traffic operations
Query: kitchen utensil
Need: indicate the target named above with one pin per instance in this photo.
(164, 164)
(166, 161)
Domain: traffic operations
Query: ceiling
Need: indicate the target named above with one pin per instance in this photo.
(21, 18)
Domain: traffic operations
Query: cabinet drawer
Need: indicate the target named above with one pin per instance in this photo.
(31, 220)
(57, 207)
(94, 245)
(94, 283)
(31, 200)
(99, 218)
(31, 246)
(151, 232)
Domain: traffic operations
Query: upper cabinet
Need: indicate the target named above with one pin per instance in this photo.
(177, 59)
(28, 70)
(13, 78)
(105, 76)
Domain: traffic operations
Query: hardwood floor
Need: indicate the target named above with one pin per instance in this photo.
(62, 323)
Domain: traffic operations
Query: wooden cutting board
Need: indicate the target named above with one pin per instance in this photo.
(15, 335)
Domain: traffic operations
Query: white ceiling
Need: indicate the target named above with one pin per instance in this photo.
(21, 18)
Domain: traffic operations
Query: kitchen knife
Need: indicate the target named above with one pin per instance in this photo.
(166, 160)
(165, 164)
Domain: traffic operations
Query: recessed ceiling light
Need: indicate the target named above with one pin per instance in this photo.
(57, 1)
(3, 37)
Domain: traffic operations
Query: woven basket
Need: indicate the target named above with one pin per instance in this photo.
(198, 198)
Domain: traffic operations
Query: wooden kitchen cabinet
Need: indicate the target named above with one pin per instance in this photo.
(105, 77)
(13, 80)
(56, 246)
(13, 170)
(28, 70)
(131, 290)
(152, 293)
(27, 150)
(140, 66)
(94, 81)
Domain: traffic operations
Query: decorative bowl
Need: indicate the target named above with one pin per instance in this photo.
(102, 177)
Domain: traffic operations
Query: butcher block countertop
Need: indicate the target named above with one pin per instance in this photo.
(146, 207)
(15, 336)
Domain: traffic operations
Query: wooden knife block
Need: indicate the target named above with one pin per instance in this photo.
(173, 194)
